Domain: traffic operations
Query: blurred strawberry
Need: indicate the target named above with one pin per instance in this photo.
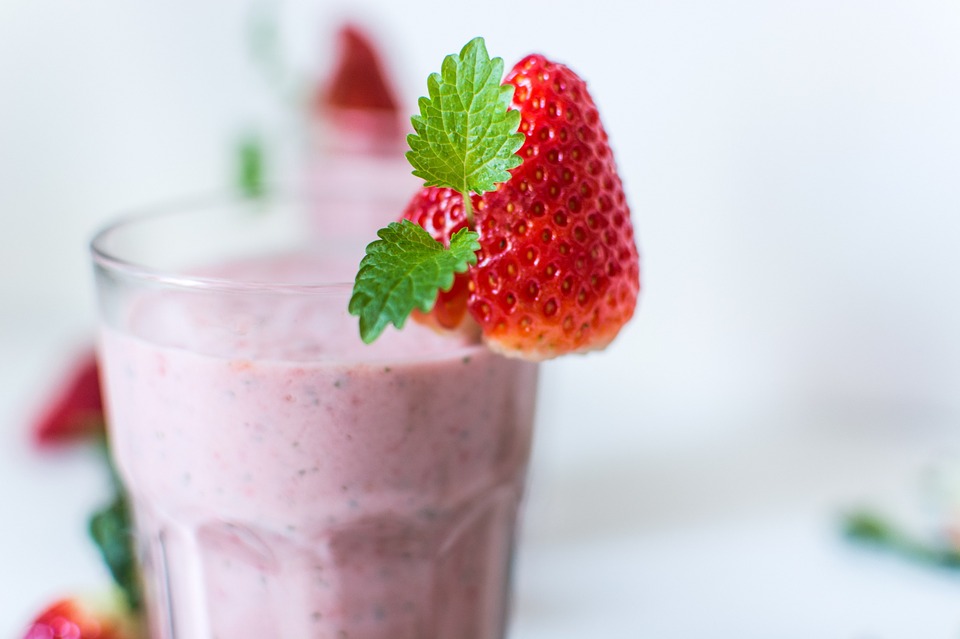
(75, 409)
(358, 80)
(356, 100)
(73, 618)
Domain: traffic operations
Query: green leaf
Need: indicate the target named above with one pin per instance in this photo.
(404, 270)
(466, 135)
(251, 167)
(112, 531)
(872, 528)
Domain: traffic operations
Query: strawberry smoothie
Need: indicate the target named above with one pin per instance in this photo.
(290, 481)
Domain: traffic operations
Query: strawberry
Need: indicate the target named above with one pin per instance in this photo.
(74, 619)
(76, 410)
(356, 98)
(558, 270)
(440, 212)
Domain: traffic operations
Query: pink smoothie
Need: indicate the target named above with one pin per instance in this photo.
(289, 481)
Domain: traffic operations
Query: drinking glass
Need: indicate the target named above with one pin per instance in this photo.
(286, 479)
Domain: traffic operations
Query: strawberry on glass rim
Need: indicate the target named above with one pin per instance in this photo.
(531, 233)
(558, 269)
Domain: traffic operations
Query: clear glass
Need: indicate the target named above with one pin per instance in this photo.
(287, 480)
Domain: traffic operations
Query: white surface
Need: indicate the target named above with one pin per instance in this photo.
(792, 168)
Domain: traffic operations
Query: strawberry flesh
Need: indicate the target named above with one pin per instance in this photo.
(558, 270)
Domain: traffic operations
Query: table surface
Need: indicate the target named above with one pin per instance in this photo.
(724, 525)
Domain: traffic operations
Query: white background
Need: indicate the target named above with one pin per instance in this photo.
(794, 173)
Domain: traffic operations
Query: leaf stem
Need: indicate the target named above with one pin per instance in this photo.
(468, 208)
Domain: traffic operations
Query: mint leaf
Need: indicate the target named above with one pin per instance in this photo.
(112, 531)
(466, 138)
(403, 270)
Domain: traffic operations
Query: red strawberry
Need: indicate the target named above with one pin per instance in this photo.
(356, 99)
(558, 269)
(441, 214)
(74, 619)
(76, 411)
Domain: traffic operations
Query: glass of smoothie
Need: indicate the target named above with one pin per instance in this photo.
(288, 480)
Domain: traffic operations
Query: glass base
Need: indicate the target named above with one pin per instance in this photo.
(424, 575)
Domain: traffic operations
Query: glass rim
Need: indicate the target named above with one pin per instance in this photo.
(107, 260)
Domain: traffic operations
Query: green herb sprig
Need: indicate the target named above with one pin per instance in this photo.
(465, 138)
